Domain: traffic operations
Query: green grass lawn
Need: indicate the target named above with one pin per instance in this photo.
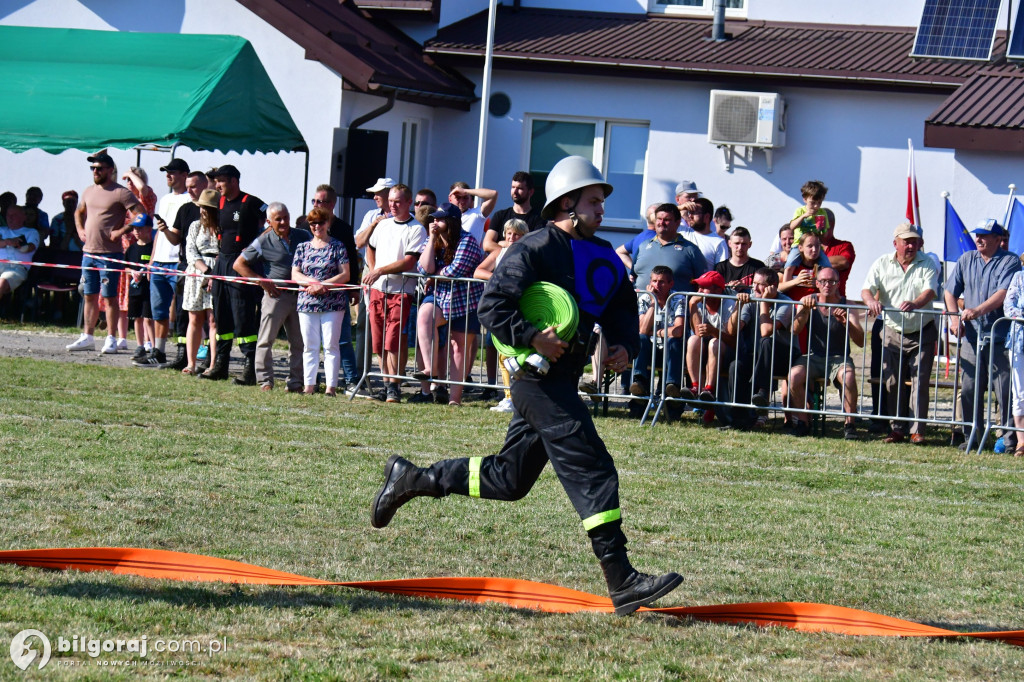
(91, 456)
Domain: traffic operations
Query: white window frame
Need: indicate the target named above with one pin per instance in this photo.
(705, 10)
(601, 151)
(411, 157)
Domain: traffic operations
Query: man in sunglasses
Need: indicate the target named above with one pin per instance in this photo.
(100, 221)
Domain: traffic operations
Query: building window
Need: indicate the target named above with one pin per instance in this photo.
(410, 158)
(617, 148)
(698, 8)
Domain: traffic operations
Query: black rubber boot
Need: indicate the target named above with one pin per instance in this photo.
(248, 377)
(219, 369)
(630, 589)
(402, 481)
(180, 360)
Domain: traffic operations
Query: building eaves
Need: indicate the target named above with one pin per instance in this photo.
(986, 113)
(370, 55)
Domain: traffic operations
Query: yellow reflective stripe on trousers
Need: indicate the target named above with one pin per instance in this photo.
(248, 339)
(602, 518)
(226, 337)
(474, 476)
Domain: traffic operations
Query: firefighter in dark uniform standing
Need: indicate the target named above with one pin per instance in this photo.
(236, 305)
(551, 422)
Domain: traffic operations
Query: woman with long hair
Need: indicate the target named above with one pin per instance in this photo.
(449, 253)
(201, 247)
(317, 265)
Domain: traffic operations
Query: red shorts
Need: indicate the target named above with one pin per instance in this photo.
(388, 315)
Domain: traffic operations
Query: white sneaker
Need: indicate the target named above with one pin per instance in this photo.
(110, 345)
(504, 406)
(122, 344)
(84, 342)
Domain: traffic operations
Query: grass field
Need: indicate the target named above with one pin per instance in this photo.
(91, 456)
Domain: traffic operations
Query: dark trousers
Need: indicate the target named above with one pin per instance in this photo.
(909, 357)
(877, 388)
(236, 308)
(974, 362)
(550, 423)
(774, 357)
(180, 315)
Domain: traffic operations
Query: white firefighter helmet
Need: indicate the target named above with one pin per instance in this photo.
(568, 175)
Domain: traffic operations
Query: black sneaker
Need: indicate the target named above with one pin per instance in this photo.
(421, 397)
(760, 399)
(850, 431)
(139, 354)
(381, 394)
(393, 394)
(706, 395)
(639, 387)
(489, 394)
(800, 429)
(441, 395)
(154, 359)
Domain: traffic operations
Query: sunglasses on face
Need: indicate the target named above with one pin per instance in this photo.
(319, 202)
(316, 222)
(96, 169)
(828, 281)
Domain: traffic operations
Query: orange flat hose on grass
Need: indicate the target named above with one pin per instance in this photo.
(166, 565)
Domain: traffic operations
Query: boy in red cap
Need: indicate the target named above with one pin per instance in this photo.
(711, 346)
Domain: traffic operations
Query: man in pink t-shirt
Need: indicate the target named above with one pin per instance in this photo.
(100, 222)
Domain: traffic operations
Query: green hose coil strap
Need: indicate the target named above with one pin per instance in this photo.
(544, 305)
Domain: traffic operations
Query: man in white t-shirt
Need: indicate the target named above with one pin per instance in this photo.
(393, 248)
(699, 229)
(473, 219)
(166, 251)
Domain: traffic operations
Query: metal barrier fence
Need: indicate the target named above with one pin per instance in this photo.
(908, 380)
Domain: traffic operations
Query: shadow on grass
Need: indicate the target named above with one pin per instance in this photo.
(219, 596)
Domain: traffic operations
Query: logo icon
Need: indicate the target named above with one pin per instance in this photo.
(24, 654)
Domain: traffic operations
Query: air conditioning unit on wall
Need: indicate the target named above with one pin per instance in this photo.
(749, 119)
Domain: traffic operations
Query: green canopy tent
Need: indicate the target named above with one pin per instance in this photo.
(77, 89)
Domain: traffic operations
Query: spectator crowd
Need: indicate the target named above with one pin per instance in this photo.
(207, 265)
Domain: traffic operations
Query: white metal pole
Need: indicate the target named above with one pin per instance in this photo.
(485, 95)
(1009, 204)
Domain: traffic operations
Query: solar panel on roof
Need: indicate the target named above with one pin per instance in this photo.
(1016, 49)
(957, 29)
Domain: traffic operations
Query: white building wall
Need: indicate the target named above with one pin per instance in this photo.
(854, 141)
(311, 92)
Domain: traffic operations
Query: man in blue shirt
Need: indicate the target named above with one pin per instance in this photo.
(668, 248)
(982, 277)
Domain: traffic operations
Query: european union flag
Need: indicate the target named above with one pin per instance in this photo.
(957, 239)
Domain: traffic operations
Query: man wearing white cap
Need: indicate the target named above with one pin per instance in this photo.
(372, 218)
(686, 194)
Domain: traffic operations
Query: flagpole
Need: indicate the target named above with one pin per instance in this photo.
(945, 280)
(1009, 204)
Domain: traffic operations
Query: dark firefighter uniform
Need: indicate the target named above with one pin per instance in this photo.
(551, 422)
(236, 305)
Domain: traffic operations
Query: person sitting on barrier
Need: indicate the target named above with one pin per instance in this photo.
(711, 346)
(770, 352)
(514, 229)
(450, 252)
(799, 281)
(906, 280)
(830, 329)
(658, 343)
(1013, 306)
(17, 243)
(983, 277)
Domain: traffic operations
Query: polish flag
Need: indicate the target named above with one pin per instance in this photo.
(913, 203)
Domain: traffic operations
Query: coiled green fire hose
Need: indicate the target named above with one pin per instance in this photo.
(544, 305)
